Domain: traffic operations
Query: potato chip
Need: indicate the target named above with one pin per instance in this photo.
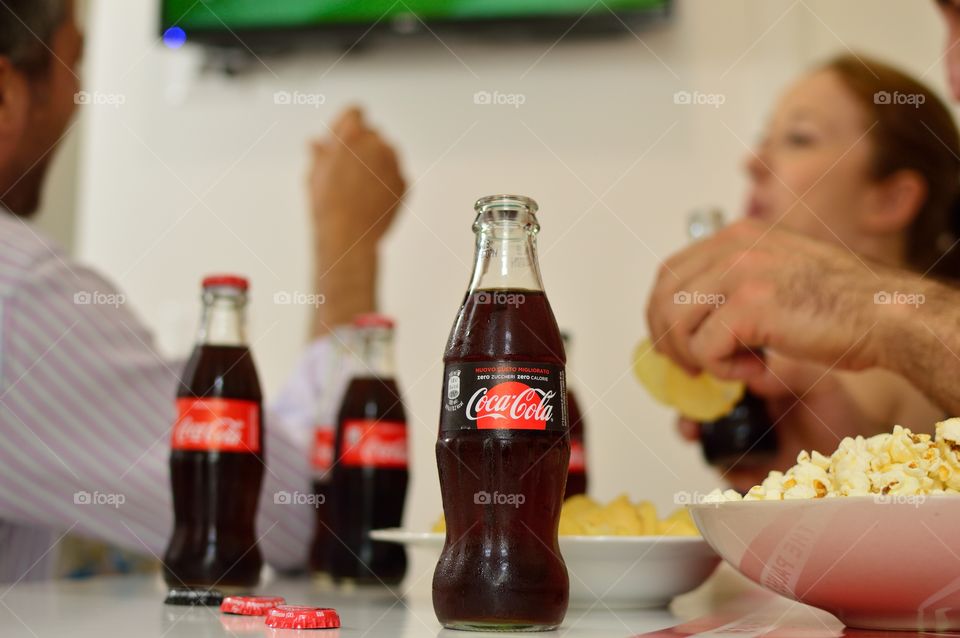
(701, 398)
(583, 516)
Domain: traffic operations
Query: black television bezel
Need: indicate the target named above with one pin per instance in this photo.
(349, 34)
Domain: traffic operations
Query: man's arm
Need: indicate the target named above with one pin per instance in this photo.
(806, 300)
(922, 343)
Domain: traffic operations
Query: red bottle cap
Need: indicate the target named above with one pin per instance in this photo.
(373, 320)
(250, 605)
(234, 281)
(293, 617)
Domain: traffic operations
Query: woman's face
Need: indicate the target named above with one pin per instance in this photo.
(810, 173)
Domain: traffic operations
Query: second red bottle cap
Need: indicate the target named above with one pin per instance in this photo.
(250, 605)
(231, 281)
(293, 617)
(373, 320)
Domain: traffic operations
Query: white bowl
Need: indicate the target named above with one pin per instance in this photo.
(875, 563)
(619, 572)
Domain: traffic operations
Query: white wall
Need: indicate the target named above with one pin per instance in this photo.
(187, 178)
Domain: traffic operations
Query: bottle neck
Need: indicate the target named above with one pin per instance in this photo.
(703, 222)
(329, 372)
(374, 351)
(506, 251)
(223, 322)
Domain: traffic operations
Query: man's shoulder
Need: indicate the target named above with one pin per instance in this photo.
(23, 249)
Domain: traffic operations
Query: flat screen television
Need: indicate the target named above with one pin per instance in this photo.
(266, 22)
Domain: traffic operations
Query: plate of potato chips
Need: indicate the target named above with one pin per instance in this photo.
(620, 553)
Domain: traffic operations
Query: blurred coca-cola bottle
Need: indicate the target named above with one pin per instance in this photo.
(577, 473)
(370, 474)
(216, 465)
(745, 437)
(331, 379)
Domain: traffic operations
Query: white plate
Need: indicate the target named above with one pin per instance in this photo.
(619, 572)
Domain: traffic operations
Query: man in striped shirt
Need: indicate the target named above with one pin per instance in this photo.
(86, 402)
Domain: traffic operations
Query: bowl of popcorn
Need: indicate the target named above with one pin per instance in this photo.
(619, 554)
(866, 533)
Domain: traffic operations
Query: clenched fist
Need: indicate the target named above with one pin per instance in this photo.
(356, 189)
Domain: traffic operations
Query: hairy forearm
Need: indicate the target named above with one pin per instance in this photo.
(922, 342)
(346, 277)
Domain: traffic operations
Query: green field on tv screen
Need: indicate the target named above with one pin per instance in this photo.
(265, 14)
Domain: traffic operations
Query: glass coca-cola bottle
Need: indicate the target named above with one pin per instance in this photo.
(746, 436)
(503, 445)
(370, 474)
(216, 457)
(577, 472)
(323, 448)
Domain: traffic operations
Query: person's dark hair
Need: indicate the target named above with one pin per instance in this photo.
(26, 28)
(912, 129)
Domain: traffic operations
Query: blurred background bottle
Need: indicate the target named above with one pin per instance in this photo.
(216, 469)
(745, 437)
(331, 378)
(370, 473)
(577, 473)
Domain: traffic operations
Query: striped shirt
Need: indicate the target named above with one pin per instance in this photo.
(86, 409)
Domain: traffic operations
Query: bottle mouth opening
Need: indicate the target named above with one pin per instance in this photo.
(506, 211)
(224, 292)
(507, 203)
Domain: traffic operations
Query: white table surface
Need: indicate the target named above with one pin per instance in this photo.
(133, 606)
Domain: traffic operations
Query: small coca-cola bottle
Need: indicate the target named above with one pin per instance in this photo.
(323, 452)
(577, 472)
(503, 445)
(746, 436)
(370, 471)
(216, 457)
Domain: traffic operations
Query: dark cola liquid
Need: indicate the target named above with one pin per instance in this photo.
(501, 566)
(744, 438)
(323, 538)
(215, 494)
(576, 476)
(367, 498)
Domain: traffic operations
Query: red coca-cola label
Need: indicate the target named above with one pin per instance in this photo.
(321, 456)
(374, 444)
(503, 395)
(578, 460)
(225, 425)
